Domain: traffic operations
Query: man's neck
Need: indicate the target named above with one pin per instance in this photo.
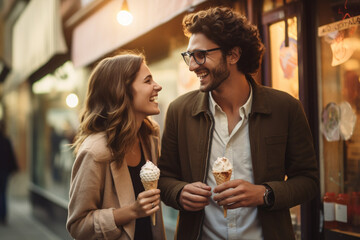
(232, 93)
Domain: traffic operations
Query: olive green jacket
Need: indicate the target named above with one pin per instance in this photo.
(281, 145)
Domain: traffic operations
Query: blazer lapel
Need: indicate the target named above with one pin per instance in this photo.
(124, 190)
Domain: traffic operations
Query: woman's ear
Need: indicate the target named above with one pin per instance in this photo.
(234, 55)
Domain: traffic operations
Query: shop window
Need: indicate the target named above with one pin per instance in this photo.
(284, 57)
(56, 120)
(273, 4)
(340, 118)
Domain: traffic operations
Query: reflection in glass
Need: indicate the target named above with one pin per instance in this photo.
(55, 124)
(284, 59)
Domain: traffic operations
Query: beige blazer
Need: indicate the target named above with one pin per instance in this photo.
(99, 185)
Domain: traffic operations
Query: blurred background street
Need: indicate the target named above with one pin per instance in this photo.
(21, 224)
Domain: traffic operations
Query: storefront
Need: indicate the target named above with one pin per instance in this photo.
(56, 102)
(339, 120)
(312, 53)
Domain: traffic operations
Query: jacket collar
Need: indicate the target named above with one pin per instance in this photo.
(201, 103)
(260, 102)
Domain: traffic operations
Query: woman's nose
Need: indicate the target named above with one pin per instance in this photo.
(157, 87)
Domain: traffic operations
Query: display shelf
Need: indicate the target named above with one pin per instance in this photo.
(335, 234)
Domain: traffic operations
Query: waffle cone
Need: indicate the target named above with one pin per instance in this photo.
(150, 185)
(221, 177)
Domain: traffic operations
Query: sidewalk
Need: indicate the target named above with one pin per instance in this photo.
(21, 225)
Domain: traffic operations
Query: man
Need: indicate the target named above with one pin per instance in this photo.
(262, 131)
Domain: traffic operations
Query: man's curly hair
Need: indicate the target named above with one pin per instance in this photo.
(228, 29)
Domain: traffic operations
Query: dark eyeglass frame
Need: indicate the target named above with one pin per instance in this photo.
(187, 55)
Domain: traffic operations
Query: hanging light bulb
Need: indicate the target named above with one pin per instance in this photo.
(124, 17)
(72, 100)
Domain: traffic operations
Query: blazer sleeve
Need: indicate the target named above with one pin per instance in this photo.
(169, 182)
(302, 182)
(86, 219)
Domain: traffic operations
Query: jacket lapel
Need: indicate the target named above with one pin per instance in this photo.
(124, 190)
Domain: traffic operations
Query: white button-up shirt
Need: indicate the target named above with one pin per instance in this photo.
(241, 223)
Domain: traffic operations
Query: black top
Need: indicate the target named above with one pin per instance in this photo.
(143, 225)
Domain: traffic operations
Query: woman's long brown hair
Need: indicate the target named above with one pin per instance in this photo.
(108, 106)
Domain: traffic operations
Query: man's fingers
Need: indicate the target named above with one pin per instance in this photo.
(194, 206)
(195, 196)
(201, 186)
(226, 185)
(198, 189)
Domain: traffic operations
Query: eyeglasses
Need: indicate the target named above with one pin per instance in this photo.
(199, 55)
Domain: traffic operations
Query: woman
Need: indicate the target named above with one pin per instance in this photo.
(107, 199)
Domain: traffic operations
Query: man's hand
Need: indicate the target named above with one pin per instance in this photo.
(195, 196)
(239, 193)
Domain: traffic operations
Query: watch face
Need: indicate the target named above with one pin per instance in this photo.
(268, 197)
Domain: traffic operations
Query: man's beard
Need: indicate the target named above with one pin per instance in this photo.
(217, 75)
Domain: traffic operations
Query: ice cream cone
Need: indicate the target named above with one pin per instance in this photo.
(147, 186)
(149, 175)
(221, 177)
(150, 184)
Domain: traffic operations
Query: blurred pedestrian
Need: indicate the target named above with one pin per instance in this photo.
(107, 199)
(8, 165)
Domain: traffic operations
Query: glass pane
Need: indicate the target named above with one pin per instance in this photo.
(56, 121)
(272, 4)
(340, 117)
(284, 59)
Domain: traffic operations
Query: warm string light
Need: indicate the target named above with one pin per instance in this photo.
(124, 17)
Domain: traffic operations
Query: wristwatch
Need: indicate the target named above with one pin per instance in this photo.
(269, 197)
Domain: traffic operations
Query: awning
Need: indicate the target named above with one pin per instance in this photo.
(37, 37)
(101, 34)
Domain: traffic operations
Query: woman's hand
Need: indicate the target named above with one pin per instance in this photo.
(147, 203)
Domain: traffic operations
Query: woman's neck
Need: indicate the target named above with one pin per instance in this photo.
(133, 156)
